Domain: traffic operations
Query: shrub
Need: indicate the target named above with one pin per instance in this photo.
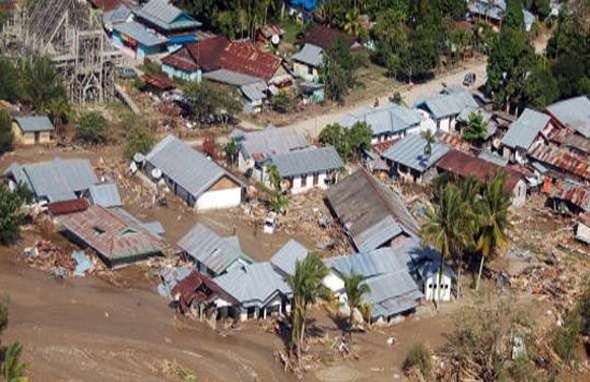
(139, 140)
(565, 341)
(418, 357)
(92, 128)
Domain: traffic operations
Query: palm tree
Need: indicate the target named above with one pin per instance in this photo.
(476, 128)
(449, 228)
(307, 287)
(274, 177)
(355, 288)
(59, 110)
(352, 24)
(493, 220)
(12, 369)
(430, 139)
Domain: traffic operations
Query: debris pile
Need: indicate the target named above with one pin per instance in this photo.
(60, 261)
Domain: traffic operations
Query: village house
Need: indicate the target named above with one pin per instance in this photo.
(571, 114)
(488, 118)
(212, 254)
(199, 181)
(176, 25)
(105, 5)
(259, 289)
(561, 163)
(583, 228)
(371, 213)
(530, 128)
(189, 62)
(464, 165)
(441, 111)
(387, 123)
(201, 298)
(407, 160)
(120, 14)
(53, 181)
(324, 36)
(105, 195)
(492, 12)
(140, 41)
(117, 240)
(256, 147)
(285, 259)
(32, 130)
(307, 62)
(305, 169)
(567, 197)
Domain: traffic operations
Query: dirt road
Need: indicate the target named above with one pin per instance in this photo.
(313, 126)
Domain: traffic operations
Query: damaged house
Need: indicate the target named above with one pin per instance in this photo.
(530, 128)
(371, 213)
(199, 181)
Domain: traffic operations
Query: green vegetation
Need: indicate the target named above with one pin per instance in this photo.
(10, 211)
(231, 150)
(348, 142)
(430, 139)
(92, 128)
(282, 102)
(307, 287)
(40, 84)
(207, 100)
(475, 129)
(338, 70)
(6, 136)
(11, 368)
(139, 140)
(418, 357)
(355, 288)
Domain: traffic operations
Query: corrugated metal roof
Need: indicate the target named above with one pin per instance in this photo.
(165, 15)
(493, 158)
(308, 161)
(154, 227)
(573, 113)
(372, 263)
(574, 194)
(105, 195)
(523, 132)
(391, 294)
(254, 284)
(255, 91)
(262, 144)
(487, 8)
(391, 118)
(185, 166)
(449, 103)
(34, 123)
(57, 180)
(230, 77)
(207, 247)
(371, 213)
(286, 258)
(409, 151)
(110, 235)
(119, 14)
(140, 33)
(310, 54)
(562, 159)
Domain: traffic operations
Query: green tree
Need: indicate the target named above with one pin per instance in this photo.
(6, 136)
(40, 81)
(514, 17)
(449, 227)
(355, 287)
(10, 211)
(278, 202)
(541, 87)
(307, 287)
(59, 111)
(282, 102)
(231, 150)
(430, 140)
(10, 89)
(492, 213)
(139, 140)
(274, 177)
(206, 100)
(359, 137)
(338, 70)
(475, 129)
(335, 135)
(92, 128)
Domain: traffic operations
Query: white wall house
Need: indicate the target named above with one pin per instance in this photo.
(433, 291)
(529, 129)
(442, 110)
(199, 181)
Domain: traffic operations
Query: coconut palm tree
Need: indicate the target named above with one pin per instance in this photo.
(274, 177)
(355, 288)
(59, 110)
(12, 369)
(307, 287)
(492, 213)
(430, 139)
(449, 227)
(352, 23)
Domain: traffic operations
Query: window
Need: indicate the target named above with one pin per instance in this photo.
(316, 179)
(303, 180)
(310, 70)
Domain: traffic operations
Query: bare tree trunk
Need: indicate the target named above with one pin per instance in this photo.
(480, 272)
(301, 338)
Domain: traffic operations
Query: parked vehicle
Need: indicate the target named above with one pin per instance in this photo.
(270, 224)
(469, 79)
(127, 72)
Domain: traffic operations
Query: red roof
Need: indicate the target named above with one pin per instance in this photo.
(219, 53)
(197, 286)
(158, 81)
(106, 5)
(68, 206)
(323, 36)
(562, 159)
(465, 165)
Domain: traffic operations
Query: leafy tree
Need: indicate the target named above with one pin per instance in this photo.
(513, 18)
(274, 178)
(418, 357)
(59, 111)
(307, 287)
(430, 139)
(492, 212)
(6, 136)
(353, 25)
(10, 89)
(10, 212)
(541, 87)
(282, 102)
(278, 201)
(421, 56)
(206, 101)
(40, 81)
(139, 140)
(449, 227)
(231, 151)
(359, 136)
(476, 128)
(336, 135)
(92, 128)
(355, 288)
(337, 71)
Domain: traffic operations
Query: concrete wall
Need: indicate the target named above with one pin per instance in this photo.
(302, 70)
(519, 194)
(177, 73)
(231, 197)
(431, 288)
(23, 138)
(297, 186)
